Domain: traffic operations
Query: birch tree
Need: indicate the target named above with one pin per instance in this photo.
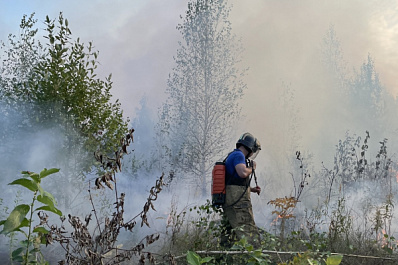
(203, 91)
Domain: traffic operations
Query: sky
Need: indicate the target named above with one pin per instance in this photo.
(137, 40)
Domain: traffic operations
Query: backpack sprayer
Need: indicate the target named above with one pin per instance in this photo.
(218, 185)
(252, 145)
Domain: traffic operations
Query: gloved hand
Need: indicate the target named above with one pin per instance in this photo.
(256, 189)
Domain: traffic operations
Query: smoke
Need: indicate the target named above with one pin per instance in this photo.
(283, 45)
(282, 41)
(24, 148)
(33, 148)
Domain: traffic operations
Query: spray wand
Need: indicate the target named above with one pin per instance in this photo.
(254, 174)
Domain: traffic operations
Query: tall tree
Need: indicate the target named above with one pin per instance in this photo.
(19, 57)
(359, 93)
(54, 89)
(141, 160)
(203, 90)
(332, 57)
(367, 89)
(57, 86)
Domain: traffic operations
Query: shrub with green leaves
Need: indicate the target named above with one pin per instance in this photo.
(308, 258)
(21, 218)
(195, 259)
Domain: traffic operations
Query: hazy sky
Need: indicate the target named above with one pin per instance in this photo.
(137, 40)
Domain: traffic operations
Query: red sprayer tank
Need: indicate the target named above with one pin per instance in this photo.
(218, 184)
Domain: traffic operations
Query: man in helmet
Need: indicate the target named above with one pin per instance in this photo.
(238, 213)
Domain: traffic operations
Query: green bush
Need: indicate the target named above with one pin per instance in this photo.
(19, 220)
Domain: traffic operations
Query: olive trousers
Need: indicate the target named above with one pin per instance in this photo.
(238, 217)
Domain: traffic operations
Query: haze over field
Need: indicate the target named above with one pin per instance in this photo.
(283, 49)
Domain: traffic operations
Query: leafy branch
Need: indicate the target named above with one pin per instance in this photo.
(30, 253)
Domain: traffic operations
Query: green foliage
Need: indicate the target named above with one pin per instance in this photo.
(270, 241)
(253, 256)
(188, 233)
(390, 244)
(208, 228)
(306, 258)
(21, 55)
(18, 221)
(67, 77)
(334, 260)
(249, 256)
(195, 259)
(12, 241)
(318, 242)
(340, 226)
(56, 86)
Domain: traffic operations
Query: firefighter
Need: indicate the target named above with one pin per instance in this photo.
(237, 209)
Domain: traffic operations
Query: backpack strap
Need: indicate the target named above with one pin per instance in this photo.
(229, 180)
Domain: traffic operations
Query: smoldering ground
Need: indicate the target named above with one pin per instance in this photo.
(27, 148)
(33, 151)
(36, 149)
